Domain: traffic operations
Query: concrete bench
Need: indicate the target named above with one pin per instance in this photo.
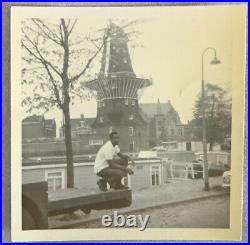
(69, 200)
(38, 204)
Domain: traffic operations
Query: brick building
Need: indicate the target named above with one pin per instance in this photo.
(37, 126)
(164, 123)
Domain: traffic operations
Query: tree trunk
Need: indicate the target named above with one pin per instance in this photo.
(69, 150)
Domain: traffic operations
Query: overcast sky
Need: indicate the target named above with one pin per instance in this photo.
(173, 39)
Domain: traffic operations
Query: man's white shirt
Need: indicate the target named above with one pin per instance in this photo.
(106, 152)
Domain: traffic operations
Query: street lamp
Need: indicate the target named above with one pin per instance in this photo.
(215, 61)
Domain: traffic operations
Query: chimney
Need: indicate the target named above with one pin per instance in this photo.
(158, 107)
(82, 116)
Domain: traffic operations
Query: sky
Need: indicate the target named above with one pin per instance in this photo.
(173, 39)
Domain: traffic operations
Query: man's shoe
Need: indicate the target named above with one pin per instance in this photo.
(102, 184)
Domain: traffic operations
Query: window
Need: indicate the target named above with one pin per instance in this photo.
(126, 101)
(55, 179)
(155, 171)
(103, 104)
(125, 60)
(110, 129)
(133, 102)
(101, 120)
(95, 142)
(131, 117)
(130, 131)
(99, 104)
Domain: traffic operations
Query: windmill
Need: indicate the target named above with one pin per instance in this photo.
(117, 87)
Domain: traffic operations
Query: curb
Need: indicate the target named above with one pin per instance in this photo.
(161, 205)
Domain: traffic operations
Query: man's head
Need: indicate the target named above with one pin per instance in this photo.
(114, 138)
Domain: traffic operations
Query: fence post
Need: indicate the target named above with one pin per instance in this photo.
(186, 175)
(171, 169)
(192, 169)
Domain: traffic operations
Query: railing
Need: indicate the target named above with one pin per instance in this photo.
(181, 170)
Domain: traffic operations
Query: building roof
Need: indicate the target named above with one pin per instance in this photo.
(33, 118)
(150, 109)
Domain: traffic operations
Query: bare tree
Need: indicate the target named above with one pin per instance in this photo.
(55, 65)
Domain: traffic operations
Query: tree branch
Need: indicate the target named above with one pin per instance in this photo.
(66, 53)
(49, 30)
(56, 91)
(61, 34)
(72, 27)
(59, 41)
(39, 53)
(68, 23)
(73, 79)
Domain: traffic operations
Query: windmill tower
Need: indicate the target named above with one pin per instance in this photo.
(117, 89)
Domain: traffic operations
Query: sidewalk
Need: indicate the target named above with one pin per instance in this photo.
(174, 192)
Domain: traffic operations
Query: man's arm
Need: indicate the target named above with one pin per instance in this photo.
(124, 156)
(118, 166)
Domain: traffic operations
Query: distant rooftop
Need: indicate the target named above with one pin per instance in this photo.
(33, 118)
(75, 122)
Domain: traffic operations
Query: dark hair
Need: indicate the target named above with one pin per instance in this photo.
(111, 134)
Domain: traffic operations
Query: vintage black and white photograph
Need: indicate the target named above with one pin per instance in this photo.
(127, 118)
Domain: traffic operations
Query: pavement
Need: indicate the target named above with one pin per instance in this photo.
(209, 213)
(172, 193)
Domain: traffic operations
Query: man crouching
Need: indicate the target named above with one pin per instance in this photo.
(111, 169)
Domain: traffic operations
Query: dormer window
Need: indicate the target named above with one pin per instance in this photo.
(101, 119)
(133, 102)
(131, 117)
(126, 101)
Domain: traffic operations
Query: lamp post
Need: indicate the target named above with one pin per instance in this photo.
(215, 61)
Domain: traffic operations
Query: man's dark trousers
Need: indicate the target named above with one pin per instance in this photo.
(113, 175)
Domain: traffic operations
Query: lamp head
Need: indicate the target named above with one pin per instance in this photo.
(215, 61)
